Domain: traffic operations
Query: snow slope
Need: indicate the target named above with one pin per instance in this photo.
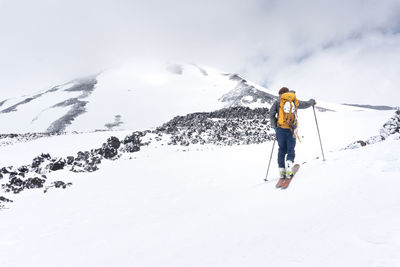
(136, 96)
(208, 205)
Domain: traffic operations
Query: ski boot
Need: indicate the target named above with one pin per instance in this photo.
(289, 168)
(282, 172)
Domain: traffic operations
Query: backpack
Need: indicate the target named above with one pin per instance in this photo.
(287, 116)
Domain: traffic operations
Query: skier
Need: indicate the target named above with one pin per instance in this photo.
(283, 117)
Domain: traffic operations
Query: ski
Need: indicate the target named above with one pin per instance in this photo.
(280, 182)
(286, 181)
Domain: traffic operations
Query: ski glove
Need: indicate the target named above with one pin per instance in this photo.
(312, 101)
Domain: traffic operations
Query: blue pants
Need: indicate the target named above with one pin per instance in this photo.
(286, 143)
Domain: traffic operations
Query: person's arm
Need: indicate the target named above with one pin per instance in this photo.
(306, 104)
(272, 115)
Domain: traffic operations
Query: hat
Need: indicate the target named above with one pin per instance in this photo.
(283, 90)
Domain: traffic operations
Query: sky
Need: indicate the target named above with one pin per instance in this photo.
(344, 51)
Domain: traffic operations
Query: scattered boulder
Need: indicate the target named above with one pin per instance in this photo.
(70, 160)
(390, 129)
(109, 150)
(57, 184)
(35, 182)
(3, 199)
(6, 170)
(58, 164)
(113, 142)
(132, 142)
(87, 161)
(40, 159)
(23, 169)
(356, 144)
(17, 184)
(61, 184)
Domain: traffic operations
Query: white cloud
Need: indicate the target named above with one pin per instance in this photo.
(362, 70)
(46, 42)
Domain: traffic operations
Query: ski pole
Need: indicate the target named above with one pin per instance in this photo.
(266, 176)
(316, 122)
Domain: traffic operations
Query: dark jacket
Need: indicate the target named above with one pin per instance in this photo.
(274, 111)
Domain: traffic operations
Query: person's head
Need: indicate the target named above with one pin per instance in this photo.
(283, 90)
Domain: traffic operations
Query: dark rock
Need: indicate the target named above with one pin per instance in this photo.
(109, 150)
(61, 184)
(39, 160)
(45, 156)
(132, 142)
(23, 169)
(57, 184)
(13, 173)
(34, 183)
(362, 143)
(36, 162)
(70, 160)
(3, 199)
(6, 170)
(113, 142)
(15, 185)
(87, 161)
(16, 181)
(57, 165)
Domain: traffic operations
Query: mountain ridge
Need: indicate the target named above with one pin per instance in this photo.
(135, 97)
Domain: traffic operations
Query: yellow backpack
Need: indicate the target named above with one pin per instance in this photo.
(287, 117)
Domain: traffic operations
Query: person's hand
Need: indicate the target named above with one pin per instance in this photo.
(313, 102)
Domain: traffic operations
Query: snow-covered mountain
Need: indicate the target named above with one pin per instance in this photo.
(129, 97)
(185, 185)
(138, 96)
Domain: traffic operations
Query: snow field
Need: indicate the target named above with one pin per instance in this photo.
(209, 206)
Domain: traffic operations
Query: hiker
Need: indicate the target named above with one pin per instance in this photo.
(283, 116)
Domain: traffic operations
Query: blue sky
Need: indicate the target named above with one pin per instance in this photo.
(340, 51)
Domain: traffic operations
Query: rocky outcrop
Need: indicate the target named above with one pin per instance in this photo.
(391, 129)
(33, 176)
(18, 183)
(244, 94)
(230, 126)
(132, 142)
